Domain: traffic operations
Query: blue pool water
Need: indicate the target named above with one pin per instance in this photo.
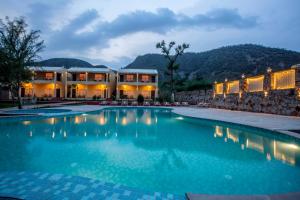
(154, 150)
(40, 110)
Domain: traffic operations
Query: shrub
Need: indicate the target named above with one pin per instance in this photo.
(140, 99)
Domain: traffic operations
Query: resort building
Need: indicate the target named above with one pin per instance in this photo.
(89, 83)
(47, 82)
(134, 82)
(72, 83)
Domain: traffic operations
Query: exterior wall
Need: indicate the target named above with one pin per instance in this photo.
(132, 91)
(268, 100)
(194, 97)
(137, 86)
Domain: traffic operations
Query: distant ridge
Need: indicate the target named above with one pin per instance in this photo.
(225, 62)
(67, 62)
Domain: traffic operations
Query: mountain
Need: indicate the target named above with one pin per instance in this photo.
(225, 62)
(67, 62)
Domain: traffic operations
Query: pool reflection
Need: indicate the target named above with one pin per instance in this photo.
(143, 126)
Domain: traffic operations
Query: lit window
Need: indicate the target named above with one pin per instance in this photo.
(255, 84)
(98, 77)
(49, 76)
(233, 87)
(219, 88)
(130, 77)
(82, 77)
(145, 78)
(283, 80)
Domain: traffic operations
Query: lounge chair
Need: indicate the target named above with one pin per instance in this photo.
(146, 103)
(124, 103)
(167, 104)
(203, 104)
(114, 103)
(176, 104)
(134, 103)
(185, 103)
(103, 103)
(156, 103)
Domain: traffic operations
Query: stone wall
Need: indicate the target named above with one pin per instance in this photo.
(282, 102)
(194, 97)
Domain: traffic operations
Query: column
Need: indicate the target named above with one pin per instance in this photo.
(242, 86)
(54, 92)
(297, 80)
(225, 88)
(137, 85)
(66, 84)
(267, 81)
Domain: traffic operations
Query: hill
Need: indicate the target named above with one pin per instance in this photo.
(225, 62)
(67, 62)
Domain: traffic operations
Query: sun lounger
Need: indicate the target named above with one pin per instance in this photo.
(114, 103)
(124, 103)
(146, 103)
(167, 104)
(134, 103)
(156, 103)
(185, 103)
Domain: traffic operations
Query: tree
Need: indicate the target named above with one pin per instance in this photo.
(172, 66)
(18, 48)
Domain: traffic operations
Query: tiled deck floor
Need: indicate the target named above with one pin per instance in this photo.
(45, 186)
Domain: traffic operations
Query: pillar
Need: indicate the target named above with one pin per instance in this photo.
(267, 81)
(297, 80)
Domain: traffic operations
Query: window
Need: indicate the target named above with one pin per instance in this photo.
(255, 84)
(233, 87)
(49, 76)
(82, 77)
(219, 88)
(98, 77)
(283, 80)
(130, 77)
(145, 78)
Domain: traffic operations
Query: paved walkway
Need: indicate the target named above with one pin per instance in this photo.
(46, 186)
(272, 122)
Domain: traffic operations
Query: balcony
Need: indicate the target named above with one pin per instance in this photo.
(87, 78)
(141, 79)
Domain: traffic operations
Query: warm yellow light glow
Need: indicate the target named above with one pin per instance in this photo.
(219, 88)
(232, 136)
(124, 121)
(233, 87)
(255, 84)
(265, 93)
(26, 122)
(148, 120)
(219, 131)
(77, 120)
(102, 120)
(283, 80)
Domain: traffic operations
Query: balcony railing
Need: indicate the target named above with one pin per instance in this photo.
(40, 78)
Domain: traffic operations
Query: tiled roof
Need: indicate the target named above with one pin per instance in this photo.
(46, 68)
(141, 71)
(88, 69)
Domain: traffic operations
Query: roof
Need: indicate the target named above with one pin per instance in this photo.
(46, 68)
(140, 71)
(88, 69)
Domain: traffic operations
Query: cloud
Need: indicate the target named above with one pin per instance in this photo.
(161, 22)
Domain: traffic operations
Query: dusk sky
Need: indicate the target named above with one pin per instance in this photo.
(114, 32)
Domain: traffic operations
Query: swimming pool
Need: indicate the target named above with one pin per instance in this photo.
(37, 111)
(154, 150)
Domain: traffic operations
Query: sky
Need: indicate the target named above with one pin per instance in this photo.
(115, 32)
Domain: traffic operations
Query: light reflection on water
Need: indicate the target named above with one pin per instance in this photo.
(154, 149)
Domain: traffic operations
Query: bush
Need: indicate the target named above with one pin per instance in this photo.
(140, 99)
